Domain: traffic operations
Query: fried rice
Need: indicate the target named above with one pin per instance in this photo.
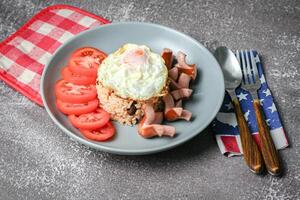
(125, 110)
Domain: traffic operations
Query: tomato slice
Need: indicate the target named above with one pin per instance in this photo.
(102, 134)
(71, 93)
(77, 109)
(86, 60)
(90, 121)
(72, 77)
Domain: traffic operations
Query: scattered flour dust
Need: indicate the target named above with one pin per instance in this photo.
(39, 154)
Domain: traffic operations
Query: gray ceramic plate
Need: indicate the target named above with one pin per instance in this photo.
(205, 102)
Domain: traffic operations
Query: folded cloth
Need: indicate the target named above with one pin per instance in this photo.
(24, 54)
(225, 124)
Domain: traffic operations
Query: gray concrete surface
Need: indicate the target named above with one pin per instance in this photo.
(38, 161)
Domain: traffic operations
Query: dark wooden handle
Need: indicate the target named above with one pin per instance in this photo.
(268, 150)
(252, 155)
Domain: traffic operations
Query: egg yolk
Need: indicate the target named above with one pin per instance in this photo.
(135, 57)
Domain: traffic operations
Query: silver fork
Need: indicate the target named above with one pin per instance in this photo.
(252, 83)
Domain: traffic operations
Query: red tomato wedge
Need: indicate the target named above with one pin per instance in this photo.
(86, 60)
(102, 134)
(90, 121)
(71, 93)
(72, 77)
(77, 109)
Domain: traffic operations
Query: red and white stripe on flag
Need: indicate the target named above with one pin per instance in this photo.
(230, 145)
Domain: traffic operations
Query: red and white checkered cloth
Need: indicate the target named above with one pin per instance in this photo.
(24, 54)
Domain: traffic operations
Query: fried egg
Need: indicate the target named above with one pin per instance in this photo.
(134, 72)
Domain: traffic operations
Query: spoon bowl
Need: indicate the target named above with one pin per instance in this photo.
(230, 66)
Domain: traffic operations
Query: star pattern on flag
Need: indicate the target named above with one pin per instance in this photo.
(229, 106)
(272, 108)
(267, 92)
(242, 96)
(262, 79)
(247, 115)
(261, 101)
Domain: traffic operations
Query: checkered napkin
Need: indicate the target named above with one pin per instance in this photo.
(24, 54)
(225, 124)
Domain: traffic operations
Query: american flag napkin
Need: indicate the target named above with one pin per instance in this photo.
(24, 54)
(225, 124)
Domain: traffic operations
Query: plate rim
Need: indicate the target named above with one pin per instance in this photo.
(120, 151)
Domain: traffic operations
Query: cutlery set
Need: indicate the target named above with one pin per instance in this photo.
(241, 70)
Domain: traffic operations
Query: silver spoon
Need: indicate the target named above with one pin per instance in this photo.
(233, 76)
(231, 69)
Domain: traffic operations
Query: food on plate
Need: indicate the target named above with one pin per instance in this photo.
(179, 77)
(136, 85)
(133, 85)
(183, 67)
(86, 60)
(73, 93)
(134, 72)
(72, 77)
(181, 93)
(104, 133)
(167, 55)
(128, 79)
(173, 73)
(90, 121)
(77, 108)
(150, 124)
(76, 95)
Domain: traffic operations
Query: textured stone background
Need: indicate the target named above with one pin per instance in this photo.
(38, 161)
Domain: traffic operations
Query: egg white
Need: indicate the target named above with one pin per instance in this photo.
(138, 82)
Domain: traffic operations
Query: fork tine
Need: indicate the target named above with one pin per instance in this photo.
(249, 70)
(254, 66)
(244, 69)
(237, 53)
